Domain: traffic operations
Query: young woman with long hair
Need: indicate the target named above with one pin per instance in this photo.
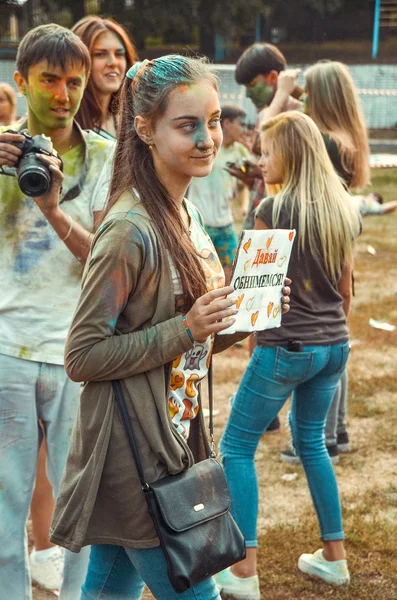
(152, 299)
(333, 104)
(112, 54)
(307, 354)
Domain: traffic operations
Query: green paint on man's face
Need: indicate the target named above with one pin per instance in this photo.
(54, 95)
(260, 93)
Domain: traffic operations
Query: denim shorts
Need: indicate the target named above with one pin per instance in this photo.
(225, 242)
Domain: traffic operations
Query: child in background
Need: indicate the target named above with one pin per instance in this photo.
(213, 195)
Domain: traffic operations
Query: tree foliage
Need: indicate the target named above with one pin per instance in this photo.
(186, 22)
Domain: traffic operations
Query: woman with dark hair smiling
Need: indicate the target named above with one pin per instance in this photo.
(112, 54)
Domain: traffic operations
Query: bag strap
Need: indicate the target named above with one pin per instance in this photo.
(211, 408)
(125, 417)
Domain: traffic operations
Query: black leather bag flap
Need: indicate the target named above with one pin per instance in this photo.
(192, 497)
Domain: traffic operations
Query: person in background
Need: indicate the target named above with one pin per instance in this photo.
(261, 68)
(213, 195)
(8, 104)
(44, 242)
(331, 100)
(372, 204)
(46, 559)
(304, 357)
(46, 567)
(112, 54)
(272, 89)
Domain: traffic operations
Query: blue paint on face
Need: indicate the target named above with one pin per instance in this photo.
(199, 135)
(112, 323)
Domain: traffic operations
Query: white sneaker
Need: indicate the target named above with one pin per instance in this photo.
(334, 572)
(47, 573)
(237, 587)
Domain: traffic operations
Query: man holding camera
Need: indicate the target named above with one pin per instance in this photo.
(45, 235)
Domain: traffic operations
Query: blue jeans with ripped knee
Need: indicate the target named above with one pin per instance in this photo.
(273, 374)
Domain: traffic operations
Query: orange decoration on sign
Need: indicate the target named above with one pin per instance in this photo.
(291, 236)
(281, 261)
(250, 302)
(254, 317)
(239, 301)
(247, 245)
(276, 311)
(269, 241)
(270, 308)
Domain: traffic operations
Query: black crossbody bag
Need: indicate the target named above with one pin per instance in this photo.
(190, 511)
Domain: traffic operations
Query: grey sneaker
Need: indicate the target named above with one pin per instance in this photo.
(289, 456)
(333, 572)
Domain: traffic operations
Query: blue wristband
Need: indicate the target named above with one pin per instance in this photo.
(187, 329)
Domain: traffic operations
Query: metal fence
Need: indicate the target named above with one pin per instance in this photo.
(377, 86)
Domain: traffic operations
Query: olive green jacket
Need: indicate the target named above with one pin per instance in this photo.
(125, 327)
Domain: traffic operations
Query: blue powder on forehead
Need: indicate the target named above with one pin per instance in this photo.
(163, 71)
(166, 70)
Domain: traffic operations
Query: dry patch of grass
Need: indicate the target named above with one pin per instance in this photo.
(371, 523)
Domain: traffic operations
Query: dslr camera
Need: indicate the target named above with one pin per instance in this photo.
(34, 177)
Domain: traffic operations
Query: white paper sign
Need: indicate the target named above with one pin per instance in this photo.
(259, 271)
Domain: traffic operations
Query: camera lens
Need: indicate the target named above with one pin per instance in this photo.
(34, 178)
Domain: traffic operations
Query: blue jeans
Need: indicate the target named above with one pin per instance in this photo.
(117, 573)
(271, 376)
(30, 391)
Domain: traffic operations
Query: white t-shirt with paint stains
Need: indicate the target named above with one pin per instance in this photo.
(213, 194)
(40, 278)
(192, 366)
